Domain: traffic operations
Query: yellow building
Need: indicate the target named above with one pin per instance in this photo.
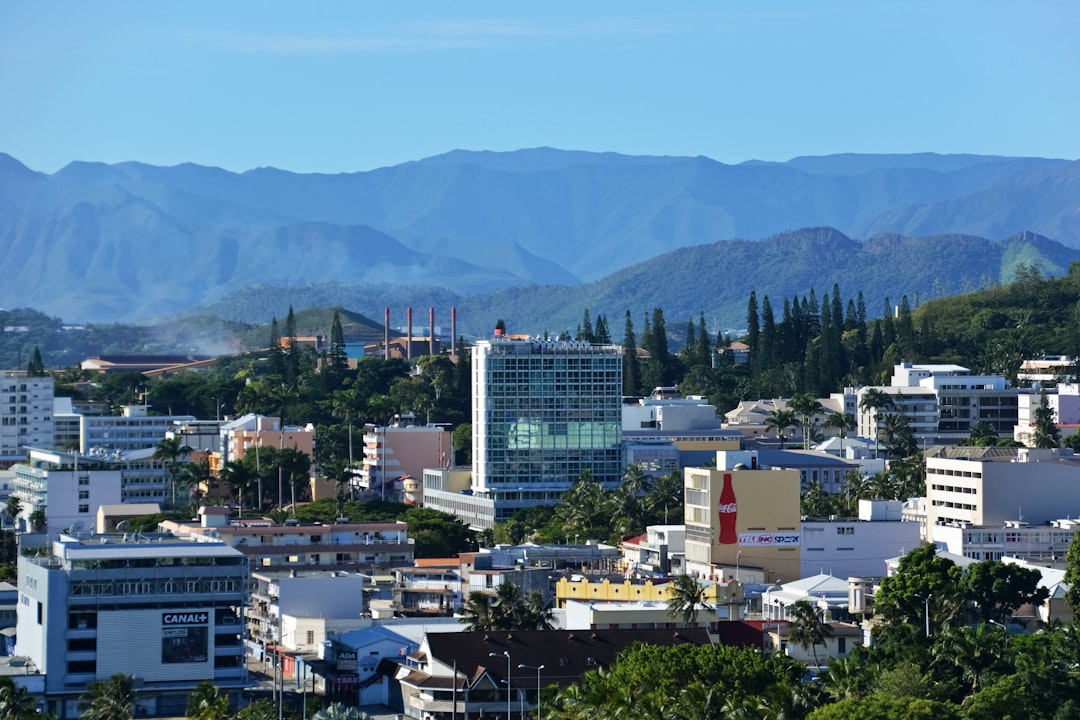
(727, 594)
(757, 536)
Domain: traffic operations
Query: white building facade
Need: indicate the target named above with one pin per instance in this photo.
(162, 610)
(26, 414)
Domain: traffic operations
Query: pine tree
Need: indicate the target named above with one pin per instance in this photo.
(703, 351)
(292, 349)
(36, 367)
(1046, 433)
(275, 357)
(905, 329)
(631, 368)
(766, 357)
(753, 328)
(603, 337)
(586, 331)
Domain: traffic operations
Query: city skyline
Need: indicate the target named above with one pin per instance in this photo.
(355, 87)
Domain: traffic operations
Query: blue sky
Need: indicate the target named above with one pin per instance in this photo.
(349, 85)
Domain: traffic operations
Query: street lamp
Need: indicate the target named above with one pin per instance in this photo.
(538, 668)
(509, 707)
(926, 601)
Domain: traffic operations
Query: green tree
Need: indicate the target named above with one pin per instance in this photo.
(337, 711)
(631, 366)
(461, 439)
(476, 612)
(112, 699)
(260, 709)
(38, 520)
(923, 581)
(781, 421)
(169, 451)
(884, 707)
(808, 628)
(805, 406)
(207, 702)
(875, 401)
(1046, 434)
(842, 422)
(998, 589)
(686, 598)
(1072, 574)
(16, 702)
(36, 367)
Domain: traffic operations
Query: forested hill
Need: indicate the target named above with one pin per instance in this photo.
(132, 242)
(715, 279)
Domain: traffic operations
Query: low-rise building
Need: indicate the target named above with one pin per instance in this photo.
(165, 610)
(660, 551)
(70, 487)
(270, 546)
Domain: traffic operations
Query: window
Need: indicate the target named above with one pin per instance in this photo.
(84, 508)
(841, 645)
(84, 494)
(310, 637)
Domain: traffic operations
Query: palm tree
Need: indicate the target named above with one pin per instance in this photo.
(685, 598)
(239, 477)
(897, 435)
(207, 703)
(337, 711)
(13, 508)
(874, 401)
(16, 702)
(843, 422)
(38, 520)
(476, 613)
(781, 420)
(112, 699)
(808, 629)
(806, 406)
(168, 451)
(666, 494)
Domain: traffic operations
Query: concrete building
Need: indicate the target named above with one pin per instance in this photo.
(660, 551)
(989, 486)
(162, 609)
(1014, 538)
(70, 487)
(133, 429)
(26, 414)
(543, 413)
(294, 611)
(269, 546)
(398, 450)
(762, 507)
(252, 432)
(1064, 403)
(942, 403)
(859, 546)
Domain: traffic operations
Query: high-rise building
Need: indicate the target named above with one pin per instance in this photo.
(544, 412)
(26, 409)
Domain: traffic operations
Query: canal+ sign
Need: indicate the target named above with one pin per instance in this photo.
(185, 618)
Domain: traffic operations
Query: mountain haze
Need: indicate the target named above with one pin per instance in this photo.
(130, 241)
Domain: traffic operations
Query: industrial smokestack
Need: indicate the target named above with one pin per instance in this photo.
(408, 339)
(431, 331)
(386, 335)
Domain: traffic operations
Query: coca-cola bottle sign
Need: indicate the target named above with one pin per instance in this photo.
(728, 511)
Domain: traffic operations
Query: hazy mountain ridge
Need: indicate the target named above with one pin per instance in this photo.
(132, 241)
(715, 279)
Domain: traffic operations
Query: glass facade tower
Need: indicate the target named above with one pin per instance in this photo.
(544, 412)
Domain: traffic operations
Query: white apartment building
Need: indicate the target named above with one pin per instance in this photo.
(70, 487)
(544, 412)
(26, 414)
(298, 610)
(133, 429)
(161, 609)
(1015, 539)
(990, 486)
(1063, 401)
(942, 403)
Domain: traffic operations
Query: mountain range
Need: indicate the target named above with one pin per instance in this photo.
(533, 236)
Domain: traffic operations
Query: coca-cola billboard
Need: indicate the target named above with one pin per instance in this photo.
(728, 512)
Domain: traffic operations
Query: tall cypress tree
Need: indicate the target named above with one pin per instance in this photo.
(36, 366)
(753, 328)
(767, 356)
(586, 332)
(338, 357)
(603, 337)
(703, 351)
(292, 350)
(275, 357)
(631, 368)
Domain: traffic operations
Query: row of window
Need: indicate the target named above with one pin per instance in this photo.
(954, 488)
(93, 588)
